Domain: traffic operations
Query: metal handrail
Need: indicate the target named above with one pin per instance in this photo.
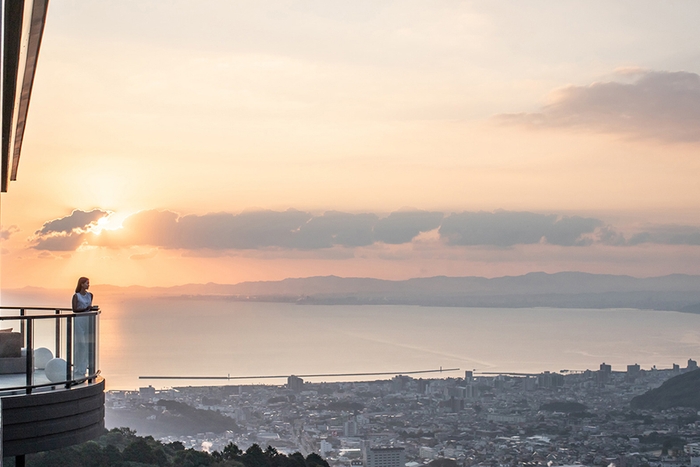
(60, 314)
(58, 383)
(33, 317)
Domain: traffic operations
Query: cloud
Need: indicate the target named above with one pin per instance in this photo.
(402, 227)
(659, 105)
(277, 232)
(505, 228)
(291, 229)
(48, 255)
(571, 231)
(668, 235)
(335, 228)
(217, 231)
(60, 242)
(67, 233)
(5, 234)
(77, 221)
(609, 236)
(248, 230)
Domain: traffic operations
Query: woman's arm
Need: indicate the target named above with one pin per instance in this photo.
(74, 305)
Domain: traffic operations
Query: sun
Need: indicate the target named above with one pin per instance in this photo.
(112, 221)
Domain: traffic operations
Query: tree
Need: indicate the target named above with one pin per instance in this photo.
(176, 446)
(192, 458)
(139, 451)
(254, 457)
(92, 455)
(297, 460)
(231, 452)
(112, 455)
(147, 452)
(314, 460)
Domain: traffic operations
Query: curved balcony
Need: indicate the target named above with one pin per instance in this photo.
(51, 391)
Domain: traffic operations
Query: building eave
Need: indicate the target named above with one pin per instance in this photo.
(22, 30)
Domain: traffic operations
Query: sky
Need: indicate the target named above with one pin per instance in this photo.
(172, 142)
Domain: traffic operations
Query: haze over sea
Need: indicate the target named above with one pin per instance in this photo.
(158, 336)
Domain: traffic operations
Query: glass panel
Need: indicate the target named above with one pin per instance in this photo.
(13, 365)
(44, 345)
(96, 352)
(63, 347)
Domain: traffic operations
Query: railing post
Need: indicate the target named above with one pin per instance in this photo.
(57, 353)
(21, 323)
(1, 433)
(69, 350)
(91, 345)
(30, 355)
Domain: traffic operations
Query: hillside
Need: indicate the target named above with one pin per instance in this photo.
(178, 419)
(680, 391)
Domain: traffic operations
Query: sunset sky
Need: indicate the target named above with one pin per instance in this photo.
(173, 142)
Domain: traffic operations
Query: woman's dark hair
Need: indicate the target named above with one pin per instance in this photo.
(81, 281)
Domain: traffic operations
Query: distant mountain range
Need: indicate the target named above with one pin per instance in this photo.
(676, 292)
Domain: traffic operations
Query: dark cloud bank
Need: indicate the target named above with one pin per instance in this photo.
(504, 229)
(300, 230)
(659, 105)
(289, 229)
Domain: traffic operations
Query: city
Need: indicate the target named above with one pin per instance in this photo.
(321, 188)
(546, 419)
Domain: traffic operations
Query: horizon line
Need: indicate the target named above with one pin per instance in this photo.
(358, 277)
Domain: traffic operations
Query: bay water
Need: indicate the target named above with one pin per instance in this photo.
(182, 337)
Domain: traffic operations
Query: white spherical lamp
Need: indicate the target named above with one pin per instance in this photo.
(55, 370)
(42, 355)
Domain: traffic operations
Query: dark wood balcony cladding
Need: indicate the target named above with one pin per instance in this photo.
(53, 419)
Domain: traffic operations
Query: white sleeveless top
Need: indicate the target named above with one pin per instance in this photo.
(84, 301)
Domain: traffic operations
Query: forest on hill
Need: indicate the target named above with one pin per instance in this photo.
(121, 447)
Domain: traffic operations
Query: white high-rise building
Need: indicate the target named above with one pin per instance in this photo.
(384, 457)
(326, 448)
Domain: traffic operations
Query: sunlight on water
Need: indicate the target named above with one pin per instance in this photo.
(218, 338)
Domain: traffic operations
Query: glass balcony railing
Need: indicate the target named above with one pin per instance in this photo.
(47, 348)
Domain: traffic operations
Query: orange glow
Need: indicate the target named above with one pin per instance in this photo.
(351, 108)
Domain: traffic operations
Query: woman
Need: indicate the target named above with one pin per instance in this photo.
(82, 302)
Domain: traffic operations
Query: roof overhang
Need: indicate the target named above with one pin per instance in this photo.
(22, 28)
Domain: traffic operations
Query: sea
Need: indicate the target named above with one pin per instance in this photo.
(234, 341)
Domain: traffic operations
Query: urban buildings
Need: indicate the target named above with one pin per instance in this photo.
(503, 420)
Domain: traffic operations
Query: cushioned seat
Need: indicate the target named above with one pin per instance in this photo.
(11, 359)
